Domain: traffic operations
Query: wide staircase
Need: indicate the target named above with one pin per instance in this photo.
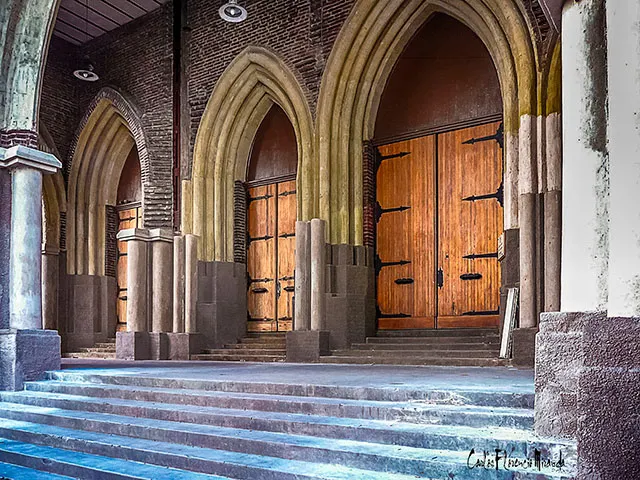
(474, 347)
(97, 425)
(255, 347)
(103, 350)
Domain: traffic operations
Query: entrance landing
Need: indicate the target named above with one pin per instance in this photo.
(196, 420)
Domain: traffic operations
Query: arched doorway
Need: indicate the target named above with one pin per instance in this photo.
(129, 208)
(439, 183)
(271, 208)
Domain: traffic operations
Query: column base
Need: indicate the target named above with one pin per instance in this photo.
(183, 345)
(307, 345)
(133, 346)
(524, 347)
(25, 355)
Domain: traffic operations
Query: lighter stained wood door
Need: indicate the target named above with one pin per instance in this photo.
(470, 294)
(271, 256)
(437, 259)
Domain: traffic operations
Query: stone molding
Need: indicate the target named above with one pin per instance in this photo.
(146, 235)
(21, 156)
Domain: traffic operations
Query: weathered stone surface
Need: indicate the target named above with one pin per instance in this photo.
(133, 346)
(158, 346)
(559, 358)
(307, 345)
(26, 355)
(182, 345)
(524, 347)
(302, 315)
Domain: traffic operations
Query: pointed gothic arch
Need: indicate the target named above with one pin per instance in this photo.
(54, 195)
(367, 48)
(243, 95)
(110, 129)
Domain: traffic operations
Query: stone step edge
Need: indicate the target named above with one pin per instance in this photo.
(390, 393)
(60, 461)
(183, 457)
(306, 424)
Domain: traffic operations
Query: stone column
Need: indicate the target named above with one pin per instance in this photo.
(161, 290)
(310, 339)
(25, 335)
(134, 343)
(50, 281)
(178, 284)
(302, 320)
(585, 199)
(318, 274)
(191, 283)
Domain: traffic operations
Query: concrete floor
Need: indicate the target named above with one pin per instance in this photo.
(480, 379)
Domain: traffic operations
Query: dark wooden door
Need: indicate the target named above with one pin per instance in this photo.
(271, 256)
(127, 218)
(438, 221)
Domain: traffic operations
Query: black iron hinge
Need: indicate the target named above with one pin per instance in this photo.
(381, 158)
(498, 195)
(473, 256)
(379, 211)
(379, 264)
(498, 137)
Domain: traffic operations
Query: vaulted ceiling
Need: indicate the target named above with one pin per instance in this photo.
(82, 20)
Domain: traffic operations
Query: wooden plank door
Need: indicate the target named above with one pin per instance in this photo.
(271, 256)
(405, 241)
(127, 218)
(261, 259)
(287, 207)
(470, 219)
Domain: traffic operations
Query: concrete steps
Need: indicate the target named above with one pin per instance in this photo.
(477, 347)
(84, 421)
(101, 350)
(255, 347)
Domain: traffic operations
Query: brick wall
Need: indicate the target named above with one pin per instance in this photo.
(136, 60)
(300, 32)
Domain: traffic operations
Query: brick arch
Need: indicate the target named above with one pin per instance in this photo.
(252, 83)
(107, 133)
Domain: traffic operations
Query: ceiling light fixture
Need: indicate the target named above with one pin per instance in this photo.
(86, 72)
(232, 12)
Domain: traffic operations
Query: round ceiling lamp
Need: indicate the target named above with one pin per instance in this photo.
(232, 12)
(86, 73)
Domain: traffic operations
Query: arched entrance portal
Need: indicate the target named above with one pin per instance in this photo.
(439, 183)
(271, 182)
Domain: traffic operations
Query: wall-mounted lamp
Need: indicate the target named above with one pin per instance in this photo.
(232, 12)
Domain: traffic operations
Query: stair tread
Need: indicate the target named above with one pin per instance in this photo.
(97, 463)
(77, 402)
(170, 451)
(185, 393)
(8, 471)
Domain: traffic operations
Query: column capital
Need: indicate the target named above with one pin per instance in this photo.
(130, 234)
(49, 249)
(21, 156)
(161, 235)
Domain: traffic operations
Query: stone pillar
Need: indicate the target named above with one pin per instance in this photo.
(310, 339)
(25, 334)
(134, 343)
(318, 274)
(178, 284)
(50, 282)
(585, 197)
(302, 320)
(161, 290)
(191, 283)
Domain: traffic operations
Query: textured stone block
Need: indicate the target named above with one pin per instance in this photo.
(133, 346)
(182, 345)
(524, 347)
(26, 355)
(350, 319)
(307, 345)
(158, 346)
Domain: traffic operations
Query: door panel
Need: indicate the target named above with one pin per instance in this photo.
(271, 256)
(405, 235)
(261, 299)
(287, 207)
(469, 296)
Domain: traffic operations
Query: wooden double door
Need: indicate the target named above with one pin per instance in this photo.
(271, 256)
(439, 214)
